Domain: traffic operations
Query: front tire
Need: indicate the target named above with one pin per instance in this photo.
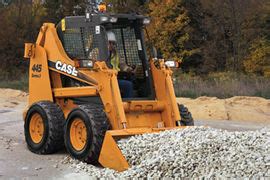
(44, 128)
(84, 132)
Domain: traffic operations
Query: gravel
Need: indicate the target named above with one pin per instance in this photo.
(196, 152)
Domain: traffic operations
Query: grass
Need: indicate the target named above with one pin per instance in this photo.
(221, 85)
(20, 84)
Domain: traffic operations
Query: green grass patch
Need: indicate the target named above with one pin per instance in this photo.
(20, 84)
(221, 85)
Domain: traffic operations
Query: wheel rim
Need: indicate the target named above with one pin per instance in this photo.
(78, 134)
(36, 128)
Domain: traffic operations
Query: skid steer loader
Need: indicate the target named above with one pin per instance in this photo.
(74, 94)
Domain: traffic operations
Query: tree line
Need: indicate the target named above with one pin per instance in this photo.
(206, 35)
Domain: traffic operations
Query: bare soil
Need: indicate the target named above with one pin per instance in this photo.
(238, 108)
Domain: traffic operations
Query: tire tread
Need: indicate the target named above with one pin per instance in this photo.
(99, 125)
(56, 120)
(186, 117)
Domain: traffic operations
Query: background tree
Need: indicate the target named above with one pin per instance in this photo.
(258, 61)
(53, 10)
(58, 9)
(231, 26)
(177, 31)
(207, 35)
(20, 21)
(258, 55)
(126, 6)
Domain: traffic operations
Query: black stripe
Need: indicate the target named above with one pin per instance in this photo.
(80, 75)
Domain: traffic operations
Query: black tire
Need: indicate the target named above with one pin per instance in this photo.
(186, 117)
(53, 122)
(96, 124)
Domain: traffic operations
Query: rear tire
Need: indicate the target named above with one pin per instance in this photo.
(186, 117)
(84, 132)
(44, 128)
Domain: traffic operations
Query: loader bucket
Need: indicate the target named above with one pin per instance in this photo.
(111, 156)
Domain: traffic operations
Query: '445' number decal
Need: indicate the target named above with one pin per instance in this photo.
(37, 68)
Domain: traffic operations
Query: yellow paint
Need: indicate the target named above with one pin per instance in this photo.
(39, 81)
(111, 156)
(78, 134)
(75, 92)
(36, 128)
(29, 50)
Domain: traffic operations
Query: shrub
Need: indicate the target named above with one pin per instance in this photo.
(221, 85)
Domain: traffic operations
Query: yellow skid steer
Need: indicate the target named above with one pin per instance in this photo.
(78, 98)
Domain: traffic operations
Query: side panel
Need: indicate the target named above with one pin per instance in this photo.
(165, 93)
(39, 79)
(144, 119)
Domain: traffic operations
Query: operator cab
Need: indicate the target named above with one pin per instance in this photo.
(85, 39)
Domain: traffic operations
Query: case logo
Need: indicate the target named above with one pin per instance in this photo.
(66, 68)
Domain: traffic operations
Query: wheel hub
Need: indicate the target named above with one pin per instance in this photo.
(78, 134)
(36, 128)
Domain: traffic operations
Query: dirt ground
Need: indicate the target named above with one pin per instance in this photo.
(16, 162)
(239, 108)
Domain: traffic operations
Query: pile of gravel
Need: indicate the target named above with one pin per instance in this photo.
(189, 153)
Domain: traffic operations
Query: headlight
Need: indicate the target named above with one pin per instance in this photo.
(104, 19)
(87, 15)
(113, 20)
(146, 21)
(171, 64)
(86, 64)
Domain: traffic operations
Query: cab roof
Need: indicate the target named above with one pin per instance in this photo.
(96, 19)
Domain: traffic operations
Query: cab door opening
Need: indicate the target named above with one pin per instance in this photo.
(131, 51)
